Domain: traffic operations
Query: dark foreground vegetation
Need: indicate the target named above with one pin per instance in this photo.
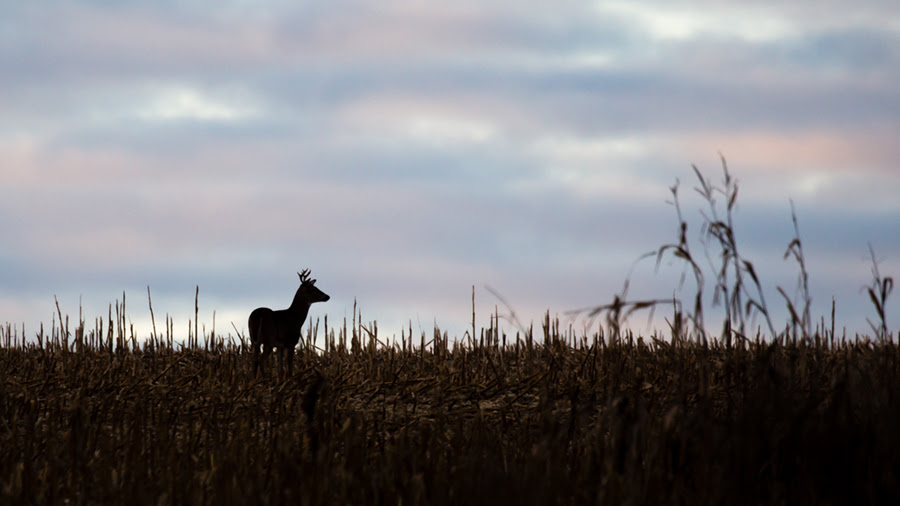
(562, 421)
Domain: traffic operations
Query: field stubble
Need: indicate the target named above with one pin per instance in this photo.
(558, 420)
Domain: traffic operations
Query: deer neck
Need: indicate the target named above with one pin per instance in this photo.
(300, 306)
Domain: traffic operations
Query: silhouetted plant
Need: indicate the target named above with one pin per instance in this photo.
(879, 291)
(731, 290)
(795, 250)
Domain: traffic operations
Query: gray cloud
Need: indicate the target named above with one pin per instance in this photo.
(407, 154)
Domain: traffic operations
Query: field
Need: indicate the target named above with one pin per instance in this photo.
(557, 420)
(546, 416)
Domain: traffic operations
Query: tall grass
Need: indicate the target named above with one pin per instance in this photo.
(737, 286)
(96, 415)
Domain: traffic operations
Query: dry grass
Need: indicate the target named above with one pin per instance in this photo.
(558, 421)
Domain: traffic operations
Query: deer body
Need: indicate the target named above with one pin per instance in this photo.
(281, 329)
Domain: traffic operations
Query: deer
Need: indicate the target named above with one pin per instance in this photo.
(281, 329)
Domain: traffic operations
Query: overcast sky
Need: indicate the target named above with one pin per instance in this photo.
(406, 151)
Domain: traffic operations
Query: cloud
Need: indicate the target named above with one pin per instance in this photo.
(408, 152)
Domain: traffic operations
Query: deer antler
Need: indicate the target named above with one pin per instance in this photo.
(304, 277)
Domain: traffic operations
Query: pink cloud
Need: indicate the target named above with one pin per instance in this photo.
(815, 150)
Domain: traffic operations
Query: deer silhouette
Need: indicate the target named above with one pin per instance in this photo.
(281, 329)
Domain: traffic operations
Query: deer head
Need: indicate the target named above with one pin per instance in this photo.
(308, 291)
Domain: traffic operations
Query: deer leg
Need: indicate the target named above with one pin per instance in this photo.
(281, 352)
(255, 358)
(267, 350)
(290, 360)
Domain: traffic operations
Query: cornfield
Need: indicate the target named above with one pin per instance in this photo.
(557, 420)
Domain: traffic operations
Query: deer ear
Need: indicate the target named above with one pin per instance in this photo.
(312, 281)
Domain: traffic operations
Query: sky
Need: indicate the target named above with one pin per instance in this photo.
(409, 152)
